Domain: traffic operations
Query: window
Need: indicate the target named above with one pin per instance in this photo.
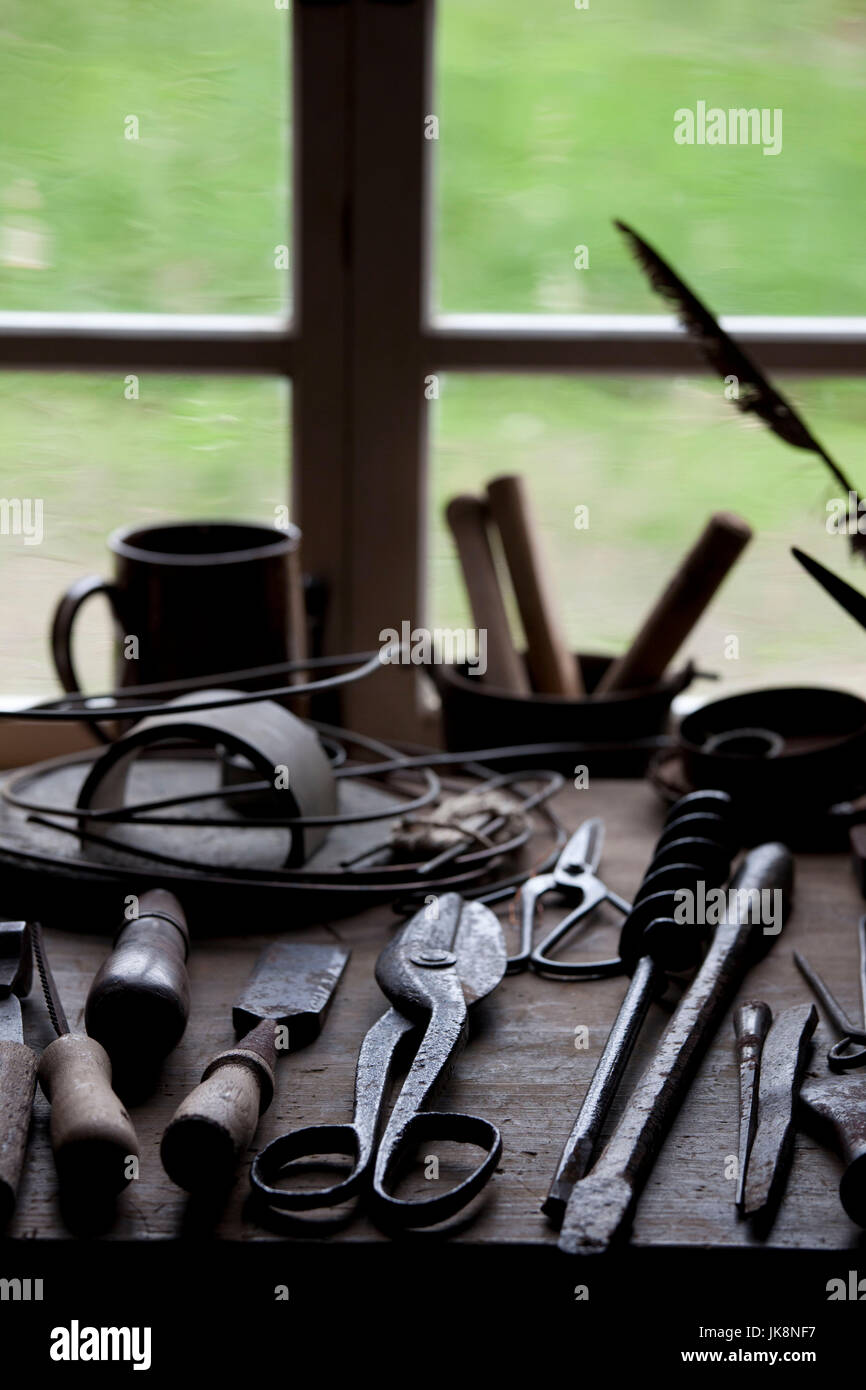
(307, 220)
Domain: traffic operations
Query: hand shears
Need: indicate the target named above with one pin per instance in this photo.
(446, 958)
(575, 879)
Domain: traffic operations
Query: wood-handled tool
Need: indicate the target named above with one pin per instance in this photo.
(751, 1024)
(601, 1204)
(18, 1062)
(469, 518)
(553, 668)
(833, 1108)
(91, 1133)
(785, 1057)
(138, 1004)
(677, 610)
(282, 1008)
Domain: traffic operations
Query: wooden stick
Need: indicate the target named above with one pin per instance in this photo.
(677, 610)
(553, 668)
(468, 519)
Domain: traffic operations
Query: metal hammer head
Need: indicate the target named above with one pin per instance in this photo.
(291, 984)
(16, 959)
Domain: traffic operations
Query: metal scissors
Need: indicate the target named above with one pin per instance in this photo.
(446, 958)
(844, 1054)
(575, 879)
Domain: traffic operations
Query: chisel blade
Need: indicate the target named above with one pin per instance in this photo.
(786, 1054)
(291, 983)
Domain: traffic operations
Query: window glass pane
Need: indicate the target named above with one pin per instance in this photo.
(143, 163)
(651, 460)
(553, 120)
(186, 448)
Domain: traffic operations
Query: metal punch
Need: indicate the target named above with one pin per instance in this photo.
(574, 878)
(850, 1050)
(446, 958)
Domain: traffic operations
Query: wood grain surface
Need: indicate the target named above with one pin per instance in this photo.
(521, 1070)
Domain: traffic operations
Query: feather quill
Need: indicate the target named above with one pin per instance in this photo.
(755, 393)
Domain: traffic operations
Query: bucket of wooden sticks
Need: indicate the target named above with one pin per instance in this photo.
(548, 696)
(627, 726)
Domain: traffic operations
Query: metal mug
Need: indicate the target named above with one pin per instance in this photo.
(200, 597)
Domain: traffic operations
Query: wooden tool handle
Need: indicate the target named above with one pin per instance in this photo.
(138, 1003)
(468, 518)
(216, 1122)
(18, 1065)
(835, 1110)
(554, 669)
(689, 591)
(91, 1133)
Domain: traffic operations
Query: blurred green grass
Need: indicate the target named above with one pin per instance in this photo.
(553, 121)
(186, 217)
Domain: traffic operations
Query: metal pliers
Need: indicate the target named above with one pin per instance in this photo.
(574, 878)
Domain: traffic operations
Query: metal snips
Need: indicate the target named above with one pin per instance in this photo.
(575, 880)
(446, 958)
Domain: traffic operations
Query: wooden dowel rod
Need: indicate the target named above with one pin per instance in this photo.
(553, 668)
(469, 517)
(680, 606)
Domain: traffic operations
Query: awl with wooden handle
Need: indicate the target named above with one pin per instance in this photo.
(553, 668)
(18, 1062)
(91, 1133)
(469, 518)
(689, 591)
(282, 1008)
(138, 1004)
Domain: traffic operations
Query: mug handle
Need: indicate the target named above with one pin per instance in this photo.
(61, 632)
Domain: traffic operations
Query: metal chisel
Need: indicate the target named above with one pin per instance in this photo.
(282, 1008)
(786, 1055)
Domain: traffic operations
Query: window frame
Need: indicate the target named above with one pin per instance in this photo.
(362, 338)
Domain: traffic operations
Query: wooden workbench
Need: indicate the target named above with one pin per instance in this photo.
(521, 1070)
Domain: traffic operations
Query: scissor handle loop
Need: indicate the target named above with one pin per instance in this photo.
(310, 1141)
(840, 1058)
(544, 964)
(426, 1126)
